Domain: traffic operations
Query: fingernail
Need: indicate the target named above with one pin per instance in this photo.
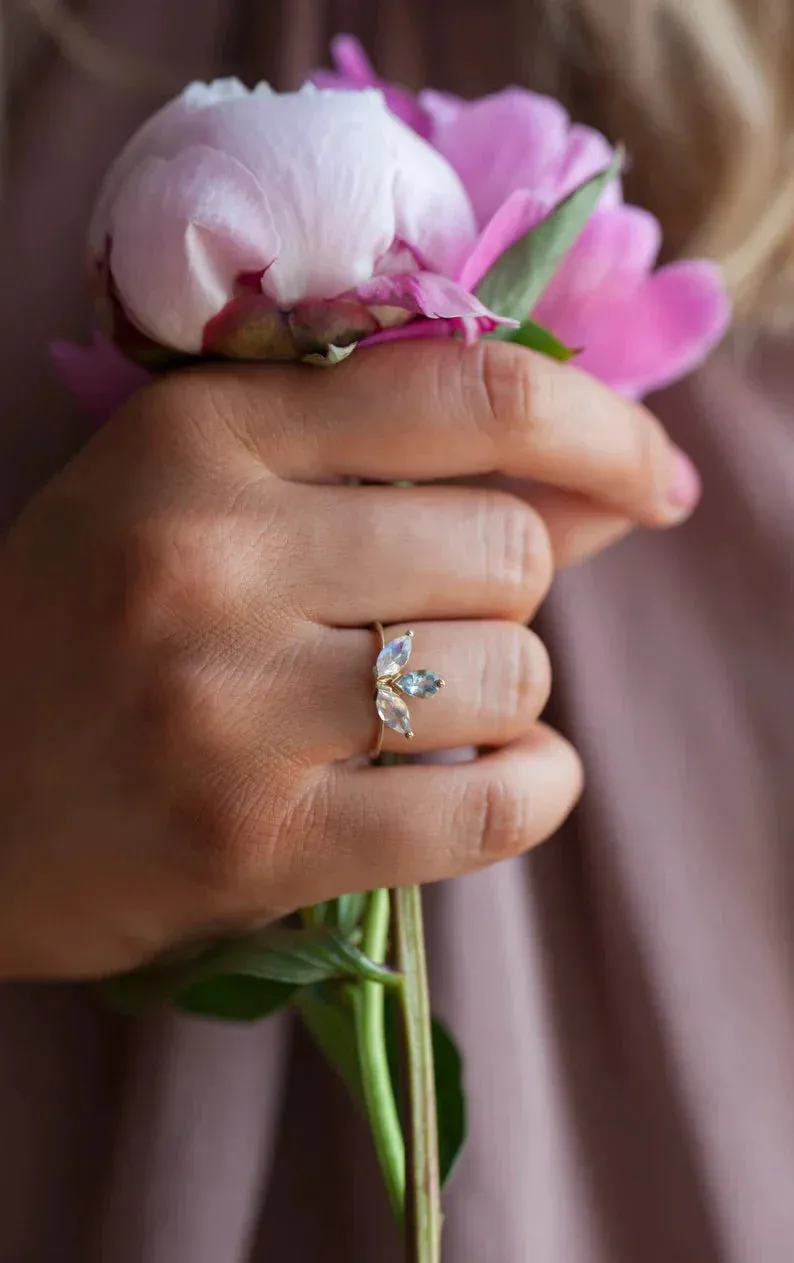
(685, 485)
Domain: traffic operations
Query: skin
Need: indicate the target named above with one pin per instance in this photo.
(185, 695)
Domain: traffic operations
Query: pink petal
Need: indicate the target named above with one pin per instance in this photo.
(351, 61)
(616, 249)
(638, 331)
(498, 144)
(514, 218)
(181, 122)
(328, 208)
(354, 70)
(416, 329)
(440, 107)
(680, 314)
(427, 294)
(587, 153)
(99, 377)
(182, 230)
(516, 140)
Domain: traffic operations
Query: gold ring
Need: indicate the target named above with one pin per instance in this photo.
(392, 680)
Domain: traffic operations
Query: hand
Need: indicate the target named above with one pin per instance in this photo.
(186, 649)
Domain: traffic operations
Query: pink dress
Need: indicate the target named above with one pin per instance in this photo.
(625, 996)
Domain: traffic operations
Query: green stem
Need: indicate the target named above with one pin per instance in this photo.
(423, 1195)
(369, 999)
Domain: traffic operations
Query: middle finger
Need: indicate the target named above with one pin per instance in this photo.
(389, 553)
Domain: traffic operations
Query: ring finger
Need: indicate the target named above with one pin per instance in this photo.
(496, 682)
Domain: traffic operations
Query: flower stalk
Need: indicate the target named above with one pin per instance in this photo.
(369, 1007)
(423, 1217)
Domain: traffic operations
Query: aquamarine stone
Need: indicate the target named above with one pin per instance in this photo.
(393, 657)
(420, 683)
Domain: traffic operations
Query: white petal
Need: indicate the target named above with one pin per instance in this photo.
(182, 231)
(342, 176)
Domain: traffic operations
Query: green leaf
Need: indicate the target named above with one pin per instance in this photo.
(328, 1014)
(299, 957)
(235, 998)
(450, 1098)
(304, 957)
(317, 914)
(347, 911)
(156, 983)
(515, 283)
(343, 913)
(536, 338)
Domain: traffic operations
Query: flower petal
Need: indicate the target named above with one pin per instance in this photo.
(346, 179)
(679, 315)
(181, 232)
(99, 377)
(514, 218)
(516, 140)
(587, 153)
(638, 331)
(421, 329)
(440, 107)
(498, 144)
(617, 248)
(426, 294)
(354, 70)
(352, 62)
(179, 123)
(343, 178)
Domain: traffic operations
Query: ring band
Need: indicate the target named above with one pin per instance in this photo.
(392, 681)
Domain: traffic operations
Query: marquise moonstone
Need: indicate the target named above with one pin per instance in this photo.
(393, 711)
(393, 657)
(420, 683)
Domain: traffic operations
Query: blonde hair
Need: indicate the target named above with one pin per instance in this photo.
(700, 91)
(702, 94)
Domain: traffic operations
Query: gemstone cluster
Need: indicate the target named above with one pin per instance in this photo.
(390, 682)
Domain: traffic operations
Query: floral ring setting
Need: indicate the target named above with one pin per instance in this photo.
(393, 684)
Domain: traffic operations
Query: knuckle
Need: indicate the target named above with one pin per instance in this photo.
(509, 379)
(197, 396)
(514, 810)
(503, 820)
(173, 405)
(185, 712)
(531, 683)
(524, 560)
(519, 675)
(172, 576)
(200, 416)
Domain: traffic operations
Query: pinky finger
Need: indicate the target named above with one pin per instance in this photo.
(418, 823)
(578, 527)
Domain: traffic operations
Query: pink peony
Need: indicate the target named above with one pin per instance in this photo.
(518, 156)
(278, 226)
(271, 225)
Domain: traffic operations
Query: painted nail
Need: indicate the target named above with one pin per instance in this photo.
(685, 485)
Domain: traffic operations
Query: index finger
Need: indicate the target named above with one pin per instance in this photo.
(429, 410)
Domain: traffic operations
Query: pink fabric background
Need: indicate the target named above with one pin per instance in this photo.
(624, 997)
